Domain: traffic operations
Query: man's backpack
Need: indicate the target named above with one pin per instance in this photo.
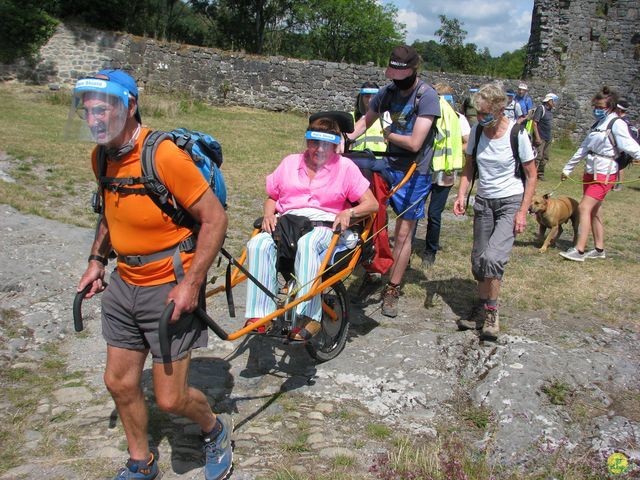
(206, 153)
(203, 149)
(623, 159)
(513, 140)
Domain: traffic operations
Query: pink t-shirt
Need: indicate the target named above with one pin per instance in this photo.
(336, 184)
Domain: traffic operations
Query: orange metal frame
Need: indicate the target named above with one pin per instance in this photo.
(318, 284)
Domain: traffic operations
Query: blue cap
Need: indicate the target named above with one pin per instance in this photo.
(121, 78)
(126, 81)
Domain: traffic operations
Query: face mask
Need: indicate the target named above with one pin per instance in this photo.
(406, 83)
(599, 113)
(488, 121)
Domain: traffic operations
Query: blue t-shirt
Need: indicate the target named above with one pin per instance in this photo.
(526, 103)
(403, 116)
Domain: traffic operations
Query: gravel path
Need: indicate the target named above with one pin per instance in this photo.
(405, 376)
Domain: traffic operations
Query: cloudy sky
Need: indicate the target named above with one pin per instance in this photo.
(500, 25)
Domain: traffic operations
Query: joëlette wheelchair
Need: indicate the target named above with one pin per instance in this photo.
(332, 338)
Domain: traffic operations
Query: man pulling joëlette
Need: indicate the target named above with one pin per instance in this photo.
(151, 249)
(413, 106)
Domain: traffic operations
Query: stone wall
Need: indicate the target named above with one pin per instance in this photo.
(584, 44)
(233, 78)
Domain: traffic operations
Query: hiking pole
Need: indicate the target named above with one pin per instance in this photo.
(163, 327)
(77, 308)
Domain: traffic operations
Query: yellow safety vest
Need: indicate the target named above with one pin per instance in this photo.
(372, 139)
(447, 148)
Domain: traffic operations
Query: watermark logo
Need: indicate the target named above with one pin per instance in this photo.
(617, 463)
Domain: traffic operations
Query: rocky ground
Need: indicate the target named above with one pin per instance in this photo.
(548, 385)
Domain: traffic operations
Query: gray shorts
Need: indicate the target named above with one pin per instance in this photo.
(493, 235)
(130, 316)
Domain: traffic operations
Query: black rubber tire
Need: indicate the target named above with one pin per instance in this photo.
(330, 341)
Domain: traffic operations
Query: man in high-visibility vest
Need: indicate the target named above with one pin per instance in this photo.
(373, 139)
(448, 158)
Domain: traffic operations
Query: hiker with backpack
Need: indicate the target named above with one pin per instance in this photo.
(607, 138)
(448, 159)
(500, 152)
(621, 109)
(158, 262)
(373, 167)
(524, 100)
(413, 106)
(542, 121)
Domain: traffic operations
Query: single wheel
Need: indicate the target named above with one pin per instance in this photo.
(329, 342)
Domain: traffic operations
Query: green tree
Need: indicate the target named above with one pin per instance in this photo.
(450, 32)
(433, 55)
(357, 31)
(245, 24)
(26, 26)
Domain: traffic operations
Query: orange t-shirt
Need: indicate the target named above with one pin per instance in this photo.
(136, 225)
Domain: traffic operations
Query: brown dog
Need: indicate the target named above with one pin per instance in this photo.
(553, 213)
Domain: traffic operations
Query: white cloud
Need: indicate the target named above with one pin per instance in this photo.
(500, 25)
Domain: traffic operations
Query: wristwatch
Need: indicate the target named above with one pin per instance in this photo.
(102, 260)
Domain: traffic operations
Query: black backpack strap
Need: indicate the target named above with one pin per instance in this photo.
(514, 138)
(101, 163)
(422, 87)
(611, 136)
(474, 155)
(156, 190)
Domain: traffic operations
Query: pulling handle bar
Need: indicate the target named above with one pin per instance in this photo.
(77, 308)
(163, 328)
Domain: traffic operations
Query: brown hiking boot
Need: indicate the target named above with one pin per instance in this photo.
(390, 298)
(491, 326)
(475, 320)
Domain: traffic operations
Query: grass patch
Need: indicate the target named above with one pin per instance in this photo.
(479, 417)
(343, 461)
(557, 392)
(298, 445)
(378, 431)
(54, 181)
(449, 458)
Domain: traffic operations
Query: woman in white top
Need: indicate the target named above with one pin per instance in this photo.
(502, 201)
(600, 171)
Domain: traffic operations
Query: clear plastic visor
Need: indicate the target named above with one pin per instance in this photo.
(97, 117)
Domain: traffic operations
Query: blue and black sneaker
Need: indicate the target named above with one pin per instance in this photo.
(140, 470)
(218, 451)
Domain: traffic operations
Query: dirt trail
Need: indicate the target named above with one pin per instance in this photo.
(405, 376)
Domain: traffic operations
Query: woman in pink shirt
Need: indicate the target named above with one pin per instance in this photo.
(318, 184)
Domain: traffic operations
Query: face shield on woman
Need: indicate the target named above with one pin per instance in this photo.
(364, 97)
(321, 146)
(98, 111)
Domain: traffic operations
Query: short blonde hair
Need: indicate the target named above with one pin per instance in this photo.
(490, 95)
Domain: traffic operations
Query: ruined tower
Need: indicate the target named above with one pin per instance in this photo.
(580, 45)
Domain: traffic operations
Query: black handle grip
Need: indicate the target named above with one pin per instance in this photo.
(163, 328)
(77, 308)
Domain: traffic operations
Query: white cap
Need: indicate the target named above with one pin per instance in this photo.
(550, 96)
(523, 86)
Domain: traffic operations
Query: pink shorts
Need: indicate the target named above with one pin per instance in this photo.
(599, 189)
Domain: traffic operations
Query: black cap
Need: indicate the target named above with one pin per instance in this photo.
(402, 63)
